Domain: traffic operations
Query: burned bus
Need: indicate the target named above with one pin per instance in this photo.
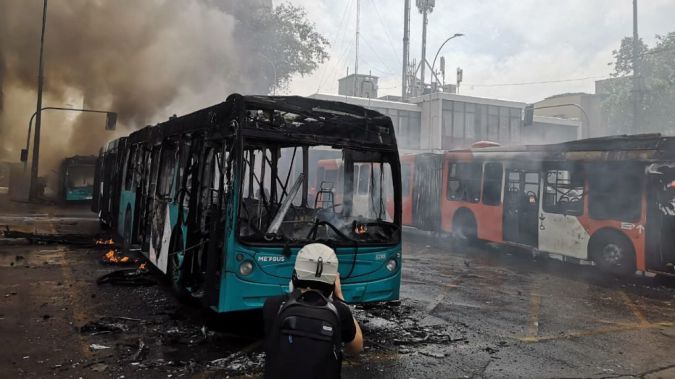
(77, 178)
(220, 199)
(608, 200)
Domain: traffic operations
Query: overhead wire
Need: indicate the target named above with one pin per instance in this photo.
(533, 83)
(340, 43)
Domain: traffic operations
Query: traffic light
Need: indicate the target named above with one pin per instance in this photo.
(111, 121)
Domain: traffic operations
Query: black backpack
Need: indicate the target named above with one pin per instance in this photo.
(306, 338)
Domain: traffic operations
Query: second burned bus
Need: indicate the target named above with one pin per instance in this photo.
(608, 200)
(220, 199)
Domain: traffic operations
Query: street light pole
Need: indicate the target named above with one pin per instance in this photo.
(111, 120)
(637, 85)
(433, 65)
(38, 119)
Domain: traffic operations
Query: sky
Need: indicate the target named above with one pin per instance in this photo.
(510, 46)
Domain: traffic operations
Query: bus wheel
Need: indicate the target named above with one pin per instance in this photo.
(464, 230)
(614, 254)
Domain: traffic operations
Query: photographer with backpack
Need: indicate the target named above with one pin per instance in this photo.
(305, 330)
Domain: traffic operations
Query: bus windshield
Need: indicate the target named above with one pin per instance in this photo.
(294, 196)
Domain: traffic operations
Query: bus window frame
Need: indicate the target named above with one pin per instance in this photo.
(622, 174)
(477, 189)
(169, 149)
(497, 190)
(577, 181)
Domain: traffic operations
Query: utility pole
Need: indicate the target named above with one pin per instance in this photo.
(356, 60)
(425, 7)
(38, 118)
(406, 46)
(637, 85)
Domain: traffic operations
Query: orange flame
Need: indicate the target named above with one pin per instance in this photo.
(142, 266)
(113, 257)
(105, 242)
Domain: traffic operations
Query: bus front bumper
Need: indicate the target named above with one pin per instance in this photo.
(238, 295)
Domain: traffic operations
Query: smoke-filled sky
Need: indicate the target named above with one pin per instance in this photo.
(149, 59)
(144, 60)
(506, 42)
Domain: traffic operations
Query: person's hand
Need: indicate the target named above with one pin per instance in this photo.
(337, 292)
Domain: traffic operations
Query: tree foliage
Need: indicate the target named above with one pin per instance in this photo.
(656, 87)
(286, 44)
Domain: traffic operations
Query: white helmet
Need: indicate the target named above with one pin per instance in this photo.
(316, 262)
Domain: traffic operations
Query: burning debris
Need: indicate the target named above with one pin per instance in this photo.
(115, 257)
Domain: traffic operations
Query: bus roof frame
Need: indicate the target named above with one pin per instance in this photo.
(316, 122)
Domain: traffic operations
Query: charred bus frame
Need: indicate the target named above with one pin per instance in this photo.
(219, 199)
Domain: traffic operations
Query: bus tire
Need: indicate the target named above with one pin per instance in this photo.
(126, 236)
(464, 229)
(613, 253)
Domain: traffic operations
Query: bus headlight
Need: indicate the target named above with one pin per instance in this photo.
(245, 267)
(391, 265)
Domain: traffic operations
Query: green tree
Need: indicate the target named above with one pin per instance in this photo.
(283, 43)
(657, 83)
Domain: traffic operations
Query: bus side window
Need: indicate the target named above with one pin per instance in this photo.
(615, 191)
(166, 172)
(129, 169)
(464, 181)
(564, 192)
(492, 183)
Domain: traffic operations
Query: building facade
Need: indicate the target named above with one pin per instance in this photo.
(445, 121)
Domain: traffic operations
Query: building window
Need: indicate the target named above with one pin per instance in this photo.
(515, 125)
(415, 128)
(458, 120)
(492, 185)
(470, 118)
(482, 123)
(564, 192)
(503, 124)
(493, 123)
(464, 181)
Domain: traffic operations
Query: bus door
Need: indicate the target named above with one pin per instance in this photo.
(161, 228)
(426, 202)
(521, 206)
(560, 230)
(660, 230)
(149, 193)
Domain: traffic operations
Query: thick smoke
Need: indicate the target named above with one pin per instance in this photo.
(144, 60)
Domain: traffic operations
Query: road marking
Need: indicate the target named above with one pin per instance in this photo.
(533, 323)
(437, 300)
(603, 330)
(633, 308)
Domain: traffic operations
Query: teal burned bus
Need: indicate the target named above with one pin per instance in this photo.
(77, 178)
(222, 199)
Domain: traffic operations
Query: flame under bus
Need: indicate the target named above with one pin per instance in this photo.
(222, 199)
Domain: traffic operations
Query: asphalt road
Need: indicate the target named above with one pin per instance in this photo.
(464, 313)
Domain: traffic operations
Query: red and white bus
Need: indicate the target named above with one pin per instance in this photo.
(608, 200)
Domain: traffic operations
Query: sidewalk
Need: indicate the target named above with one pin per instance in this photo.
(46, 219)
